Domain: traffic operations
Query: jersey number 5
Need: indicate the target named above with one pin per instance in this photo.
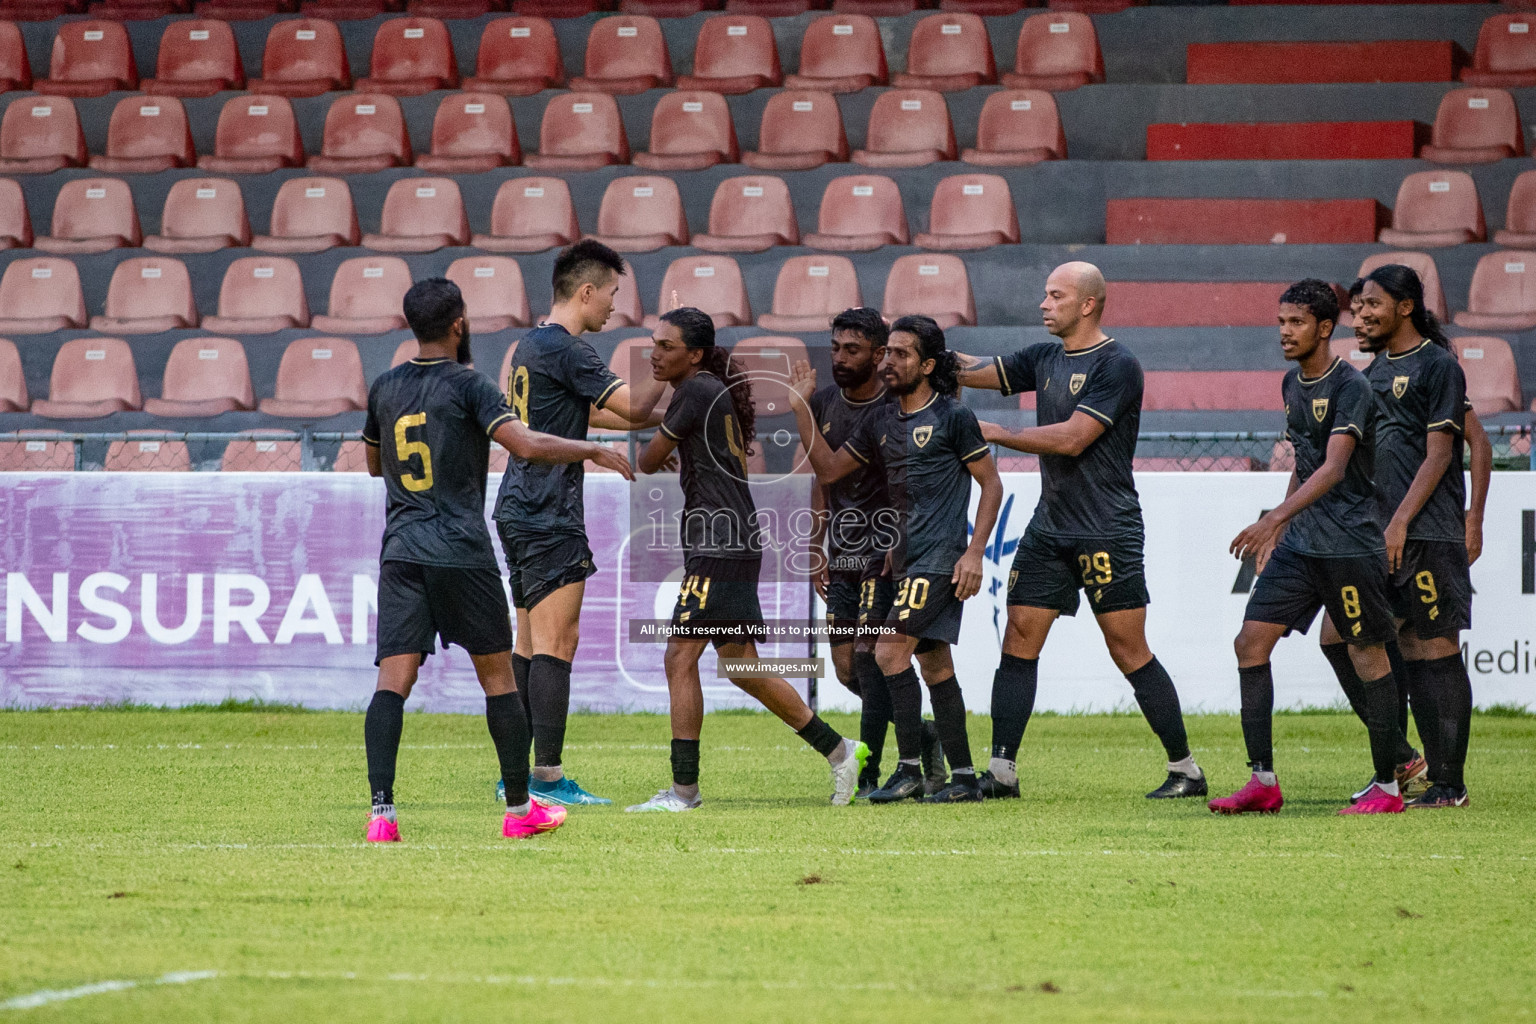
(405, 448)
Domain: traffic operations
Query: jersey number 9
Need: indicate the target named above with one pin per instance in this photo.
(405, 448)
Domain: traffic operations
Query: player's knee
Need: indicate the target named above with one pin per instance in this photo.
(1249, 646)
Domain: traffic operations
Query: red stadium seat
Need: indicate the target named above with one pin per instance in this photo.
(840, 53)
(303, 57)
(257, 134)
(90, 58)
(201, 215)
(148, 294)
(1215, 390)
(1493, 379)
(626, 303)
(411, 56)
(734, 53)
(530, 215)
(1506, 54)
(471, 132)
(1436, 208)
(310, 215)
(352, 457)
(15, 223)
(365, 296)
(409, 349)
(1502, 296)
(710, 283)
(580, 131)
(93, 215)
(769, 360)
(41, 295)
(148, 451)
(204, 377)
(1519, 231)
(689, 132)
(37, 451)
(1018, 127)
(810, 291)
(907, 128)
(318, 377)
(858, 212)
(1191, 303)
(1475, 126)
(1422, 264)
(800, 129)
(625, 54)
(39, 135)
(1056, 52)
(196, 58)
(15, 68)
(259, 295)
(493, 292)
(948, 53)
(750, 214)
(640, 214)
(517, 57)
(934, 285)
(970, 211)
(364, 132)
(91, 377)
(146, 136)
(270, 452)
(13, 386)
(421, 215)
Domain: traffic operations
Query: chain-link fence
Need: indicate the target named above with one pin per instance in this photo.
(334, 451)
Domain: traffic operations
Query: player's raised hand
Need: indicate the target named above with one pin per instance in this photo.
(802, 379)
(967, 575)
(608, 458)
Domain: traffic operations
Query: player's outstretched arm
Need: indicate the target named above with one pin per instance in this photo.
(1437, 459)
(631, 408)
(828, 465)
(540, 447)
(978, 373)
(1069, 437)
(1482, 471)
(1262, 535)
(968, 571)
(657, 453)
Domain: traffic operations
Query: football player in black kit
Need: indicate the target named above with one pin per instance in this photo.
(1431, 537)
(710, 424)
(428, 432)
(930, 449)
(1321, 548)
(1087, 530)
(853, 579)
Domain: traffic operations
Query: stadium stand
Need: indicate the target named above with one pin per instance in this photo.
(201, 215)
(303, 57)
(1280, 140)
(266, 454)
(421, 215)
(196, 58)
(1016, 128)
(517, 57)
(148, 295)
(858, 212)
(1191, 303)
(710, 283)
(92, 377)
(41, 295)
(935, 285)
(256, 134)
(411, 56)
(146, 136)
(1519, 230)
(810, 291)
(364, 132)
(769, 360)
(627, 310)
(1493, 381)
(13, 383)
(1422, 264)
(625, 54)
(90, 58)
(1193, 390)
(40, 135)
(15, 222)
(260, 295)
(800, 129)
(1278, 63)
(1475, 126)
(204, 377)
(148, 451)
(1056, 52)
(948, 53)
(493, 292)
(690, 130)
(530, 215)
(37, 451)
(15, 69)
(734, 53)
(1240, 221)
(750, 214)
(471, 132)
(1506, 54)
(907, 128)
(310, 215)
(580, 131)
(319, 377)
(640, 214)
(365, 296)
(1502, 296)
(1436, 208)
(92, 215)
(970, 211)
(840, 53)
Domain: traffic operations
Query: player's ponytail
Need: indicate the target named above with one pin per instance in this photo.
(945, 378)
(1402, 283)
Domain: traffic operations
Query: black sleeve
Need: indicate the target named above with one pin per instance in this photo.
(484, 402)
(685, 413)
(1016, 372)
(965, 435)
(371, 425)
(587, 374)
(1446, 388)
(1114, 389)
(1355, 407)
(864, 442)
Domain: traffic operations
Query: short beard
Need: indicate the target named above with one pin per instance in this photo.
(900, 388)
(852, 379)
(465, 357)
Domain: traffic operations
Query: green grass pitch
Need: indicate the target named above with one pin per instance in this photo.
(136, 845)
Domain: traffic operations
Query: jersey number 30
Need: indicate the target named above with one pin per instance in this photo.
(405, 448)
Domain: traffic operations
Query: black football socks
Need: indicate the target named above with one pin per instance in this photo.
(508, 724)
(1257, 686)
(549, 697)
(381, 737)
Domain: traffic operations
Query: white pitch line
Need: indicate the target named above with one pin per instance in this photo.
(33, 1000)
